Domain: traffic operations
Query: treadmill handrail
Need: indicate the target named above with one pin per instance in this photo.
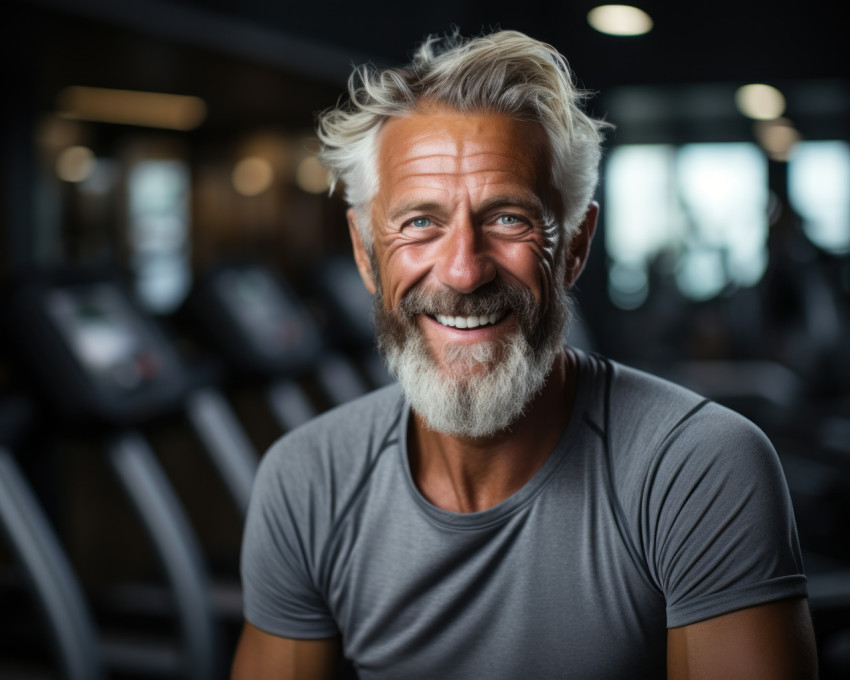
(180, 555)
(50, 574)
(227, 442)
(289, 404)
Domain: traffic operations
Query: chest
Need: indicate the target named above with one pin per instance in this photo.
(549, 591)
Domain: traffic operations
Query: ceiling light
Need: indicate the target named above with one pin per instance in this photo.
(131, 107)
(619, 20)
(759, 101)
(311, 176)
(777, 138)
(75, 164)
(252, 176)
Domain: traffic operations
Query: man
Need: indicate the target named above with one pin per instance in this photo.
(515, 509)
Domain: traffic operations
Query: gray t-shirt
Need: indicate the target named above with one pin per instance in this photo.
(656, 509)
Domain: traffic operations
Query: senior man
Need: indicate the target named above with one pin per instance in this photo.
(515, 508)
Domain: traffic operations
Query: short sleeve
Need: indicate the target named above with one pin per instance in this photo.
(279, 562)
(725, 537)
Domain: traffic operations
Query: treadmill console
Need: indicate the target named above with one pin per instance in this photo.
(255, 320)
(94, 353)
(105, 339)
(337, 284)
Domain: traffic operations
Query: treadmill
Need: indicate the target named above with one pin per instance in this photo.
(253, 319)
(336, 289)
(43, 567)
(105, 369)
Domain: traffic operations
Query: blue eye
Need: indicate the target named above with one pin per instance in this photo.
(420, 222)
(508, 219)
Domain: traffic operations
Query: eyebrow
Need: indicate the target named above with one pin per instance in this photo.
(413, 206)
(529, 203)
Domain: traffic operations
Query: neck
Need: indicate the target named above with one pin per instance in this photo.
(469, 475)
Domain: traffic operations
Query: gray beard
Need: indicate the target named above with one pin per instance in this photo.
(482, 389)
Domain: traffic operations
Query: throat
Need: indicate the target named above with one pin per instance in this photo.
(464, 476)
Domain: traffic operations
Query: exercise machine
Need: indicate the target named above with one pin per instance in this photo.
(105, 369)
(41, 562)
(252, 318)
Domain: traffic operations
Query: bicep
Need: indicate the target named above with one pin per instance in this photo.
(772, 641)
(722, 525)
(261, 656)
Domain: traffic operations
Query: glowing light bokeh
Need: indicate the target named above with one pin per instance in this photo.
(131, 107)
(75, 164)
(311, 176)
(621, 20)
(777, 137)
(252, 176)
(759, 101)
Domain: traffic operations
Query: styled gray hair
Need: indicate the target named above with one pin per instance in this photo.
(504, 72)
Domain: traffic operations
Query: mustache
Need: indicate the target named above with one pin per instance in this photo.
(490, 298)
(537, 321)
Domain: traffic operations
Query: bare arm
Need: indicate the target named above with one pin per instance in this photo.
(769, 642)
(262, 656)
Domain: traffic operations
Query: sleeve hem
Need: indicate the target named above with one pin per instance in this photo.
(300, 630)
(725, 602)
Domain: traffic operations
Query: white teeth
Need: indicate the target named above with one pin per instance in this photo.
(469, 321)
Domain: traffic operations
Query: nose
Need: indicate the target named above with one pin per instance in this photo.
(463, 262)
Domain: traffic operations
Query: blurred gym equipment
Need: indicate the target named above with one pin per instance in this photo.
(105, 370)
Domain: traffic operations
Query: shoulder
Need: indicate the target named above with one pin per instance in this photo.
(645, 408)
(375, 412)
(303, 491)
(659, 433)
(334, 448)
(648, 413)
(702, 495)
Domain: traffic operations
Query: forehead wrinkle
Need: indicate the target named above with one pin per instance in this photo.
(432, 162)
(419, 184)
(396, 161)
(440, 145)
(455, 151)
(419, 189)
(463, 163)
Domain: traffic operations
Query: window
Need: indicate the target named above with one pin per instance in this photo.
(158, 197)
(699, 211)
(819, 189)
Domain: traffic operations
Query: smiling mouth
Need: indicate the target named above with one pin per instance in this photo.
(473, 321)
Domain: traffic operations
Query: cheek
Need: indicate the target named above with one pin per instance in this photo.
(532, 264)
(552, 263)
(402, 269)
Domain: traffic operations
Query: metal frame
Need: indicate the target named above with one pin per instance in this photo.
(50, 575)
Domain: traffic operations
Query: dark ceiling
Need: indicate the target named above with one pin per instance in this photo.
(692, 40)
(282, 60)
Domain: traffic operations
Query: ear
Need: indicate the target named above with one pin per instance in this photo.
(361, 255)
(579, 247)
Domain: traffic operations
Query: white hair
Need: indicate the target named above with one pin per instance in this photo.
(468, 401)
(505, 72)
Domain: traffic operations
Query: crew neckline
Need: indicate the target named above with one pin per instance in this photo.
(524, 495)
